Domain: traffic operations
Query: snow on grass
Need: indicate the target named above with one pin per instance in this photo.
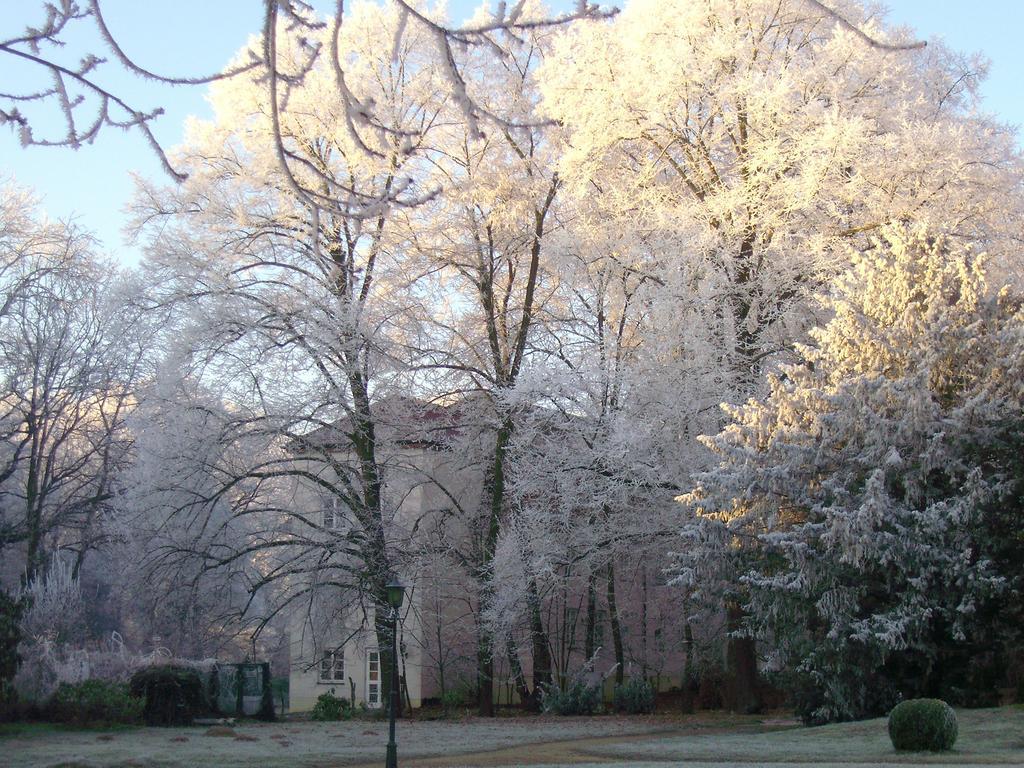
(291, 744)
(922, 760)
(987, 737)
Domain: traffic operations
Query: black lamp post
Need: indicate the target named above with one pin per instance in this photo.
(396, 591)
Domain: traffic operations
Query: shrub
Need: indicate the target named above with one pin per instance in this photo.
(94, 702)
(577, 698)
(923, 724)
(710, 687)
(635, 697)
(11, 611)
(173, 695)
(55, 608)
(329, 707)
(452, 699)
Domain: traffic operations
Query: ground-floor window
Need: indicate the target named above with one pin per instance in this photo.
(332, 666)
(373, 690)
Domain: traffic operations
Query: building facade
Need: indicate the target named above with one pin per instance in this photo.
(433, 481)
(333, 644)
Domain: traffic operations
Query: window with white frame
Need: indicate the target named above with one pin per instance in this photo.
(333, 516)
(332, 666)
(373, 681)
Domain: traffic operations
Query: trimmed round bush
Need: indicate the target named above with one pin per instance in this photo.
(920, 725)
(174, 695)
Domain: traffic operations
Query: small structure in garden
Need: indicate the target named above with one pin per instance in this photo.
(243, 690)
(178, 695)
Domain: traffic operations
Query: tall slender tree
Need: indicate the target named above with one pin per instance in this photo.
(299, 309)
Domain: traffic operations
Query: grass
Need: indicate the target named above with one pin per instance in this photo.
(987, 736)
(8, 730)
(993, 737)
(293, 744)
(25, 730)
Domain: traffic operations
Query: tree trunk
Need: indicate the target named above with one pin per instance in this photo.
(33, 511)
(494, 493)
(613, 615)
(688, 672)
(741, 652)
(387, 648)
(643, 624)
(506, 361)
(741, 665)
(371, 519)
(484, 674)
(526, 697)
(589, 641)
(541, 649)
(404, 698)
(442, 679)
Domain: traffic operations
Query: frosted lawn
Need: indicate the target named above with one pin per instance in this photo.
(294, 744)
(987, 737)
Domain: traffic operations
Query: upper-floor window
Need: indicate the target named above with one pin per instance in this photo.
(572, 617)
(333, 515)
(332, 666)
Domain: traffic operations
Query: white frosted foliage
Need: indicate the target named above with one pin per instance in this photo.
(857, 489)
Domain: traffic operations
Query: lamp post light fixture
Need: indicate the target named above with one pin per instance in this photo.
(396, 591)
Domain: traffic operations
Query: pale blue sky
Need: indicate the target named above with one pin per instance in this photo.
(93, 184)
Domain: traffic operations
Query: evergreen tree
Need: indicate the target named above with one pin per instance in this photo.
(869, 501)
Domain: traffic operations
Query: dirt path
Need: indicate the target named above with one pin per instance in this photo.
(577, 750)
(585, 749)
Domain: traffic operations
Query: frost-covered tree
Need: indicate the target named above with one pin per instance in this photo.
(298, 318)
(763, 137)
(82, 94)
(200, 530)
(600, 461)
(69, 361)
(483, 250)
(870, 500)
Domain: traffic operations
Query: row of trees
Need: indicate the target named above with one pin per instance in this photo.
(79, 351)
(588, 242)
(67, 380)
